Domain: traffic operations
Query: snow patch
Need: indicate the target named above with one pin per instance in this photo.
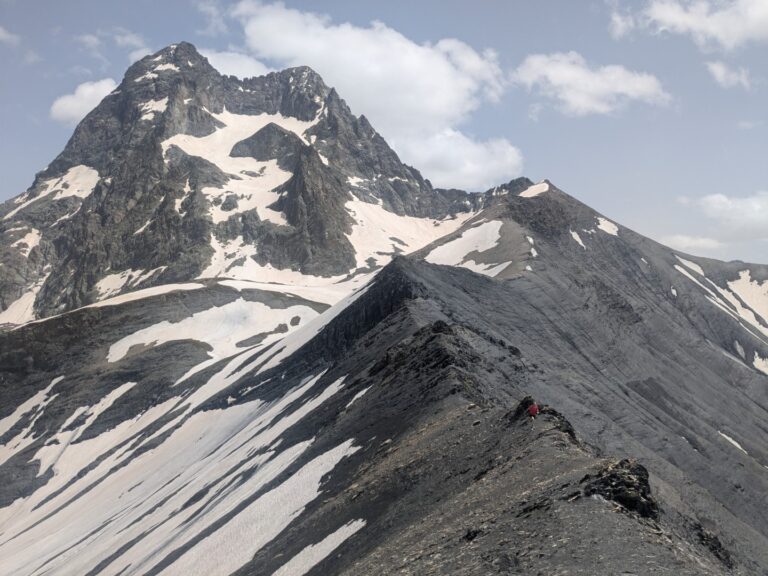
(357, 397)
(691, 265)
(355, 181)
(149, 109)
(34, 406)
(78, 181)
(760, 363)
(753, 293)
(171, 67)
(22, 310)
(111, 284)
(36, 400)
(221, 327)
(732, 441)
(146, 76)
(479, 239)
(379, 234)
(607, 226)
(308, 558)
(535, 190)
(575, 236)
(144, 227)
(27, 242)
(145, 293)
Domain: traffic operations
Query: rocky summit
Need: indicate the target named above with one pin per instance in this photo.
(240, 337)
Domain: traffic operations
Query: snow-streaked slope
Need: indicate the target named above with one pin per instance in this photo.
(727, 300)
(26, 243)
(535, 190)
(252, 181)
(22, 310)
(116, 518)
(475, 240)
(379, 234)
(78, 181)
(222, 328)
(753, 293)
(305, 560)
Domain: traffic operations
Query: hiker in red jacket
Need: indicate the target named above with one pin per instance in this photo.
(533, 410)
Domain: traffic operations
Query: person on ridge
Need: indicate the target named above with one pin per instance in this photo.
(533, 411)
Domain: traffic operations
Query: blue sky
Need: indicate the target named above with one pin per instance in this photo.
(652, 111)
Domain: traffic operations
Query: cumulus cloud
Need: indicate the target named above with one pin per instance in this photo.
(8, 38)
(94, 43)
(744, 218)
(622, 21)
(215, 25)
(461, 161)
(729, 77)
(89, 41)
(134, 42)
(691, 243)
(412, 93)
(709, 23)
(71, 108)
(235, 63)
(581, 90)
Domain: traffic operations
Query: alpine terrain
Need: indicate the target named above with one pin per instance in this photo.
(240, 337)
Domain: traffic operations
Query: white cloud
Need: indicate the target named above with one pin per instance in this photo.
(729, 77)
(138, 54)
(411, 92)
(89, 41)
(215, 24)
(461, 161)
(739, 217)
(725, 24)
(691, 243)
(135, 42)
(7, 37)
(71, 108)
(128, 39)
(31, 57)
(622, 21)
(235, 63)
(748, 124)
(581, 89)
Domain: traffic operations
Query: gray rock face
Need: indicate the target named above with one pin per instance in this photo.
(118, 200)
(445, 473)
(272, 142)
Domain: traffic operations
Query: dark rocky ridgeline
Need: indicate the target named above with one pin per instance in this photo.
(449, 478)
(147, 211)
(452, 477)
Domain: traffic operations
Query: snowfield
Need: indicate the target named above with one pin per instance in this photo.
(477, 239)
(78, 181)
(252, 181)
(77, 522)
(535, 190)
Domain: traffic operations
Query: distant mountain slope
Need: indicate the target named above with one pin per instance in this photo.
(292, 395)
(182, 173)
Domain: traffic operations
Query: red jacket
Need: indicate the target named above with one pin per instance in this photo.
(533, 410)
